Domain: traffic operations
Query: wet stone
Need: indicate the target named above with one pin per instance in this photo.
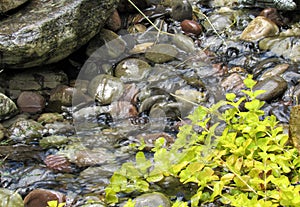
(47, 118)
(58, 163)
(105, 89)
(31, 102)
(184, 43)
(131, 69)
(6, 5)
(287, 47)
(191, 27)
(181, 10)
(152, 200)
(25, 131)
(7, 107)
(161, 53)
(259, 28)
(53, 141)
(45, 32)
(274, 87)
(10, 198)
(60, 96)
(40, 197)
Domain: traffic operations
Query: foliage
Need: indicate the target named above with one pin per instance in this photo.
(249, 163)
(55, 203)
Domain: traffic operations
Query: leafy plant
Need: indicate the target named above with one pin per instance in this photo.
(248, 163)
(55, 203)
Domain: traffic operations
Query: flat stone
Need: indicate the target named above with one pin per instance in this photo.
(6, 5)
(45, 32)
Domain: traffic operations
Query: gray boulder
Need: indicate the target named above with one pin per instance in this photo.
(45, 32)
(6, 5)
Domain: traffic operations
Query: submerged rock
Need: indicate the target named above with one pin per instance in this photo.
(10, 198)
(152, 200)
(44, 32)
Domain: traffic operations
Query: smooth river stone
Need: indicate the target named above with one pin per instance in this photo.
(45, 32)
(6, 5)
(273, 86)
(259, 28)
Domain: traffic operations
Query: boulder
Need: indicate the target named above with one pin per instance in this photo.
(7, 5)
(44, 32)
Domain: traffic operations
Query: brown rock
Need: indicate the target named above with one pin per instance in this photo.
(40, 197)
(31, 102)
(58, 163)
(191, 27)
(114, 21)
(60, 96)
(273, 15)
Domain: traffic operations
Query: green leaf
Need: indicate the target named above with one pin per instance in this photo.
(249, 82)
(230, 96)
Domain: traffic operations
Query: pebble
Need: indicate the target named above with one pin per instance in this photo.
(25, 131)
(60, 96)
(131, 69)
(10, 198)
(40, 197)
(152, 200)
(191, 27)
(31, 102)
(105, 89)
(181, 10)
(58, 163)
(259, 28)
(161, 53)
(274, 87)
(273, 15)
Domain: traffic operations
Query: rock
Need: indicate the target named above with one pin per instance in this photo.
(122, 110)
(25, 131)
(6, 5)
(233, 82)
(259, 28)
(88, 157)
(184, 43)
(152, 200)
(161, 53)
(276, 71)
(287, 47)
(274, 16)
(7, 107)
(114, 21)
(10, 198)
(281, 5)
(181, 10)
(31, 102)
(191, 27)
(58, 163)
(125, 7)
(53, 141)
(42, 79)
(47, 118)
(274, 87)
(105, 89)
(131, 69)
(219, 21)
(294, 127)
(40, 197)
(60, 96)
(45, 32)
